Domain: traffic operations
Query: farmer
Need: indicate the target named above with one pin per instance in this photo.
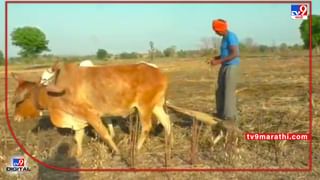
(228, 73)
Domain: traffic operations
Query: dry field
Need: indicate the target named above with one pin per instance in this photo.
(275, 100)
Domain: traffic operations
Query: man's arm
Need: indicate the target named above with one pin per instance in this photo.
(234, 52)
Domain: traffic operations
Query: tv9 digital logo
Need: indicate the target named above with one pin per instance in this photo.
(299, 11)
(18, 164)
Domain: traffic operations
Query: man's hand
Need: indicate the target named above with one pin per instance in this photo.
(217, 57)
(215, 62)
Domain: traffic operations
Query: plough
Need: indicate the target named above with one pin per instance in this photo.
(197, 117)
(201, 116)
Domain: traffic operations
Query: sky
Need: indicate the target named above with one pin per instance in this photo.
(81, 29)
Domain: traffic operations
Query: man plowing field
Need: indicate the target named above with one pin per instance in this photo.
(228, 73)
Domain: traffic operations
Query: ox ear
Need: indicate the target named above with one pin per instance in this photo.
(51, 88)
(21, 96)
(56, 66)
(17, 77)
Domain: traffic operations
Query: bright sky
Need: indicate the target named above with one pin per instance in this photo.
(81, 29)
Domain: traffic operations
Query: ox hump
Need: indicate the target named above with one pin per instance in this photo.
(86, 63)
(149, 64)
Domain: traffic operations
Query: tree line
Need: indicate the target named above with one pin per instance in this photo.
(32, 42)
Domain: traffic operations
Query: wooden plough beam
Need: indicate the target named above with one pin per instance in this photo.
(201, 116)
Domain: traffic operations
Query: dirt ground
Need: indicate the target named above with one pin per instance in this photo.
(275, 99)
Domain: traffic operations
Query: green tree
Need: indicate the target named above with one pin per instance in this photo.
(31, 40)
(242, 47)
(263, 48)
(296, 47)
(1, 58)
(158, 53)
(182, 54)
(170, 51)
(250, 45)
(283, 47)
(152, 50)
(304, 32)
(102, 54)
(126, 55)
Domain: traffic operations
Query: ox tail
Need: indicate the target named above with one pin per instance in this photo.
(165, 104)
(162, 115)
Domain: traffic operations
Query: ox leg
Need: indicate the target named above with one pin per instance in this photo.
(97, 124)
(78, 138)
(145, 118)
(164, 119)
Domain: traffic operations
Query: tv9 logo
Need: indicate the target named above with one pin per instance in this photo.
(18, 164)
(299, 11)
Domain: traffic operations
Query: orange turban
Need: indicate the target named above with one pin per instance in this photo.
(219, 25)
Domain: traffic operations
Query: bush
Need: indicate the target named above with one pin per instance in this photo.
(125, 55)
(182, 54)
(170, 51)
(102, 54)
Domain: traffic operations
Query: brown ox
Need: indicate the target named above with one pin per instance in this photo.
(30, 99)
(82, 95)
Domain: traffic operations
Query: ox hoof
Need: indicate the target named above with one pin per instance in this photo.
(115, 153)
(116, 157)
(76, 152)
